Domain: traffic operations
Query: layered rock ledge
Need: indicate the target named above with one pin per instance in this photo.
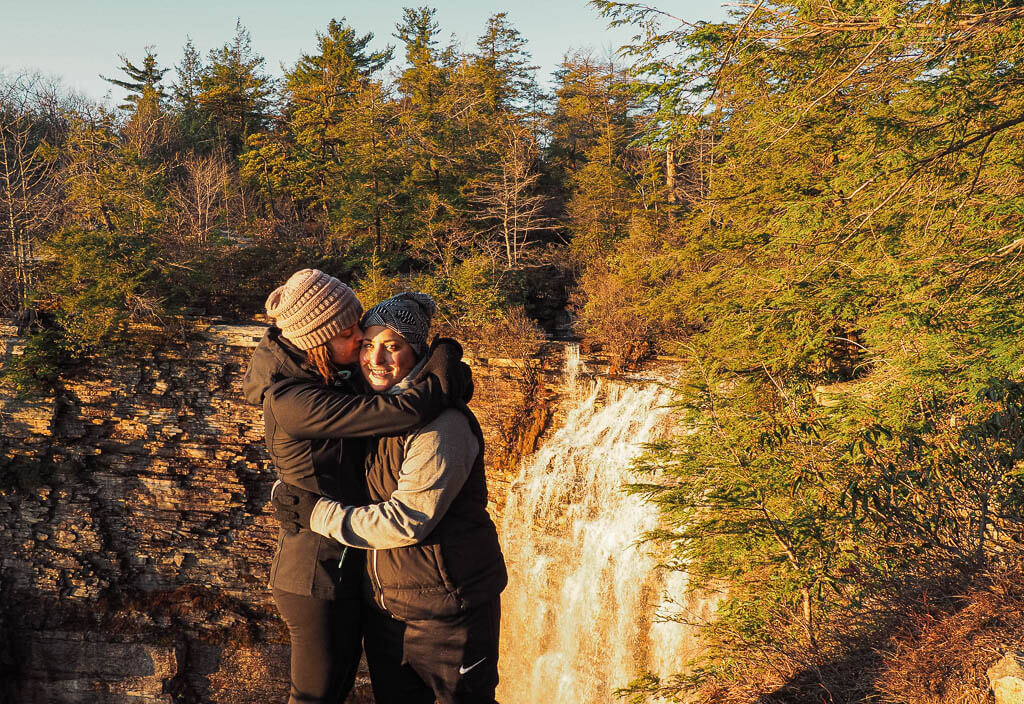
(135, 539)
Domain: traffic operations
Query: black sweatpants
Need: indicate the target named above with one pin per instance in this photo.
(452, 661)
(325, 635)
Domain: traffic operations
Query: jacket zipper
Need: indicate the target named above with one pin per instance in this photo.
(380, 588)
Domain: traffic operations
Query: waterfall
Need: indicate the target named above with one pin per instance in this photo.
(578, 614)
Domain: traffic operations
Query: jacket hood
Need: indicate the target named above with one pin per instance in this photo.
(408, 380)
(273, 359)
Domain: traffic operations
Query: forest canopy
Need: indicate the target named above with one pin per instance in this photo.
(422, 164)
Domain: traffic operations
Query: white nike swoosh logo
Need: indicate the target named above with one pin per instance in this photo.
(464, 670)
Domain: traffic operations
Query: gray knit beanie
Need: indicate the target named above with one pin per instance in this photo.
(408, 314)
(312, 307)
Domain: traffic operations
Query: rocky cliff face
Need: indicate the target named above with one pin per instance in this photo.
(134, 536)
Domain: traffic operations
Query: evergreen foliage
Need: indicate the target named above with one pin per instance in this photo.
(198, 196)
(194, 124)
(142, 79)
(843, 282)
(335, 160)
(234, 91)
(506, 74)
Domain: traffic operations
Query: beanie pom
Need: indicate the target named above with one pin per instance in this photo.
(425, 300)
(273, 303)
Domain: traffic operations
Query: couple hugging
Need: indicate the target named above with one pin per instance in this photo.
(385, 539)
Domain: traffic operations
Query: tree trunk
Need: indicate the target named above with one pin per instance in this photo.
(12, 227)
(670, 172)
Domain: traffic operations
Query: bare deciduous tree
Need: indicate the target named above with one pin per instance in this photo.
(199, 195)
(28, 202)
(508, 199)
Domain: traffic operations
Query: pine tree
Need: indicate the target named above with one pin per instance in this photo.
(589, 100)
(341, 63)
(421, 78)
(506, 72)
(141, 79)
(435, 118)
(591, 129)
(193, 120)
(334, 100)
(235, 92)
(845, 288)
(337, 158)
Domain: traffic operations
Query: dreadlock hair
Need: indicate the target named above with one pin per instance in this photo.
(320, 358)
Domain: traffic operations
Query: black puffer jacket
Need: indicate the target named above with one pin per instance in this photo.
(305, 421)
(458, 566)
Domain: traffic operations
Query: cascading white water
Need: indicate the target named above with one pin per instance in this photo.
(577, 616)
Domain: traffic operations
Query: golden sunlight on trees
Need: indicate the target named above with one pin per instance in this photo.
(840, 268)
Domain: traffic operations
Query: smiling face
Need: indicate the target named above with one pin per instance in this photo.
(344, 347)
(385, 357)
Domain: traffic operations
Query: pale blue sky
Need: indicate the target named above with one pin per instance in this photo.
(79, 39)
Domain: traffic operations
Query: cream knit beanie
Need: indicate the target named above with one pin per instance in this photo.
(312, 307)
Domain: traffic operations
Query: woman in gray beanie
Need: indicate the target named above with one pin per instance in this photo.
(434, 568)
(405, 322)
(301, 374)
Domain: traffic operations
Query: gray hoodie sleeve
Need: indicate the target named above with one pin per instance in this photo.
(438, 459)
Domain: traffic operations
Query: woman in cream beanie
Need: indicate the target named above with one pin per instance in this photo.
(318, 314)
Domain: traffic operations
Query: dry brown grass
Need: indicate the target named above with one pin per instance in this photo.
(934, 645)
(944, 657)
